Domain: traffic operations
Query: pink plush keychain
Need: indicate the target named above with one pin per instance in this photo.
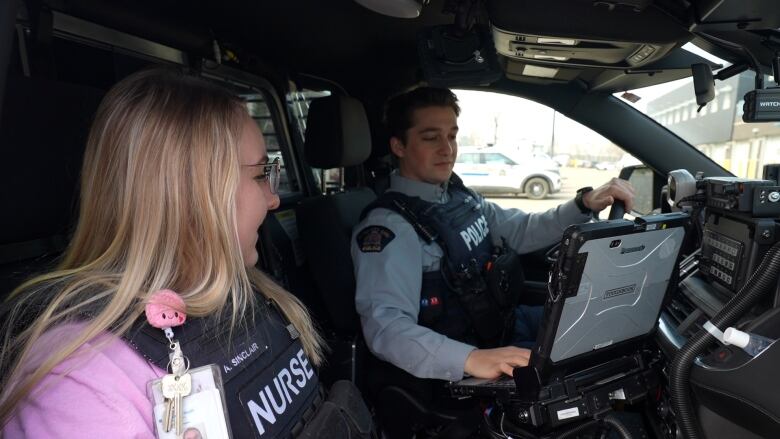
(166, 309)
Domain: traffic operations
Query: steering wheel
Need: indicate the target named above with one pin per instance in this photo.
(616, 211)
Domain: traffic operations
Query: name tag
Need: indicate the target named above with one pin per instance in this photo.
(237, 358)
(242, 357)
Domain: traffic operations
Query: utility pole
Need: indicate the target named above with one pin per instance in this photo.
(552, 136)
(495, 130)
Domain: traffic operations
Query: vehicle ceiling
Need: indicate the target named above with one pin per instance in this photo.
(360, 49)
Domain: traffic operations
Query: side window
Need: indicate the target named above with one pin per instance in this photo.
(298, 102)
(468, 158)
(558, 155)
(497, 159)
(259, 110)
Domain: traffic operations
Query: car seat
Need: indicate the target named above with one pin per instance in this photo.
(43, 131)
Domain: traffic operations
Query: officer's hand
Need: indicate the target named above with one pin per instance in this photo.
(598, 199)
(491, 363)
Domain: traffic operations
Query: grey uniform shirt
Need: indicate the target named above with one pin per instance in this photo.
(389, 281)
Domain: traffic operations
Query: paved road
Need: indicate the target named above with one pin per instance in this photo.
(573, 179)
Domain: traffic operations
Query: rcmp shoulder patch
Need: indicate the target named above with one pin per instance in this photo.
(373, 239)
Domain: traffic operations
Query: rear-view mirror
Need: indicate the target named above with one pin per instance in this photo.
(703, 83)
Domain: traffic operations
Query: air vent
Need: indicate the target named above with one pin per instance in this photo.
(686, 317)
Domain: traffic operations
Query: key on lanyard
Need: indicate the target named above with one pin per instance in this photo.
(166, 310)
(174, 388)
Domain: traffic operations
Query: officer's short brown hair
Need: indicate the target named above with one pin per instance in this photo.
(400, 108)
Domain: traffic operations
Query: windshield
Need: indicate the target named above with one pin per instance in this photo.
(522, 154)
(717, 130)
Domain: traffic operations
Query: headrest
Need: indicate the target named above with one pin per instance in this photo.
(337, 133)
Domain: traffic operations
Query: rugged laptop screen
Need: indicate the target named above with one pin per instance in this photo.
(607, 287)
(612, 280)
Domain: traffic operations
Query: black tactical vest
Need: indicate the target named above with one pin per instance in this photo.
(454, 300)
(270, 385)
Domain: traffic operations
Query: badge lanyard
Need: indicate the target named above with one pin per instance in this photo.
(203, 413)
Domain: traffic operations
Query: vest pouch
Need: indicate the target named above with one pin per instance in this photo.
(504, 278)
(471, 289)
(484, 314)
(343, 415)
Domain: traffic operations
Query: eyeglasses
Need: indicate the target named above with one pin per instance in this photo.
(271, 172)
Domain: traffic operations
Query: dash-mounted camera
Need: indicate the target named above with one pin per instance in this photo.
(762, 105)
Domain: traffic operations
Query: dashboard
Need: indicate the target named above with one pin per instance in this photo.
(684, 381)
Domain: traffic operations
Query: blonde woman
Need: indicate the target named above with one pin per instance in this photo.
(175, 184)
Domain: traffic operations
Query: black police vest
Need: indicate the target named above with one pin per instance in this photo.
(270, 385)
(453, 300)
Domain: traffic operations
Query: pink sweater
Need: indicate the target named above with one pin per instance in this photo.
(99, 393)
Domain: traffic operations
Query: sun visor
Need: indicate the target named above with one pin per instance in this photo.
(626, 20)
(676, 65)
(577, 52)
(578, 35)
(522, 71)
(730, 15)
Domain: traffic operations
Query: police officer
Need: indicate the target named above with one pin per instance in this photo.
(406, 280)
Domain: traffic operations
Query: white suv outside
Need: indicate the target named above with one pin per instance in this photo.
(490, 170)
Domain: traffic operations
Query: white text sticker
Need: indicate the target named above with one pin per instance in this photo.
(568, 413)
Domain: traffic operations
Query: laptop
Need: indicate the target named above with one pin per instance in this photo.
(606, 291)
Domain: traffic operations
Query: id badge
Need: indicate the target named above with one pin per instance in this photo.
(204, 412)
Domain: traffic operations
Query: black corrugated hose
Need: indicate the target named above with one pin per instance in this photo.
(762, 281)
(610, 420)
(616, 424)
(578, 429)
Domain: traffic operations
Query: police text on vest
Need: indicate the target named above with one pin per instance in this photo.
(475, 233)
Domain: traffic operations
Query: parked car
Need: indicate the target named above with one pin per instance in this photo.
(541, 160)
(492, 171)
(605, 166)
(562, 159)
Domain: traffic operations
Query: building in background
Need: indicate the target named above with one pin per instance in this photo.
(718, 130)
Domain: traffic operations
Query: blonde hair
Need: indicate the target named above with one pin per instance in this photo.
(158, 210)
